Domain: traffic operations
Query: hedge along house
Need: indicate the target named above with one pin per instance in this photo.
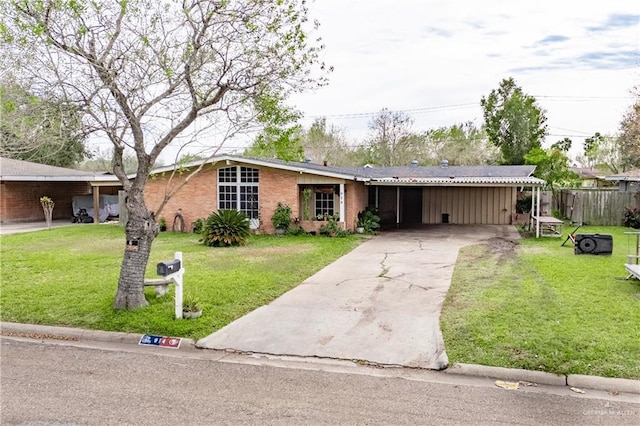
(403, 196)
(23, 183)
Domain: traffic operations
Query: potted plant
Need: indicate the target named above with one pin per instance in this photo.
(162, 223)
(47, 206)
(368, 221)
(281, 218)
(191, 307)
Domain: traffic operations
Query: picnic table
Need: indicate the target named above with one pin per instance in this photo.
(549, 226)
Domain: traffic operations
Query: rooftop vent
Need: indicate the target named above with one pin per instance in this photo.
(444, 163)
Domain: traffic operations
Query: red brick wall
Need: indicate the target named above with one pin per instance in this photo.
(356, 201)
(277, 186)
(198, 199)
(20, 201)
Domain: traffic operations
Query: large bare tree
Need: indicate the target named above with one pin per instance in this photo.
(149, 74)
(390, 141)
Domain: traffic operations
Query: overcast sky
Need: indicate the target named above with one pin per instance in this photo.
(435, 60)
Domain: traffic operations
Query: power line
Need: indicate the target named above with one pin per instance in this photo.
(468, 105)
(412, 110)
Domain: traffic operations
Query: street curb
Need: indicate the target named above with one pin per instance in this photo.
(47, 332)
(541, 377)
(512, 374)
(604, 383)
(79, 333)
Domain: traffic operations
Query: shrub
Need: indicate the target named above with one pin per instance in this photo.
(632, 218)
(368, 220)
(198, 224)
(296, 229)
(523, 205)
(226, 228)
(281, 218)
(332, 228)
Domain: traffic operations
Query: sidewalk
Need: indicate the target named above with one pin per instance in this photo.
(19, 227)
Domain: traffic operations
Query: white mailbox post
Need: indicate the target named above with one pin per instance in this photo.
(172, 271)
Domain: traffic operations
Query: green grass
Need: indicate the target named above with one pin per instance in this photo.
(540, 307)
(545, 308)
(68, 277)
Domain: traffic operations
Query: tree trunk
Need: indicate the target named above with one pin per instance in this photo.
(141, 230)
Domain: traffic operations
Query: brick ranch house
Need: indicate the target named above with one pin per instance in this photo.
(22, 183)
(403, 196)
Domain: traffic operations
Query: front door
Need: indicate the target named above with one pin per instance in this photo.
(411, 202)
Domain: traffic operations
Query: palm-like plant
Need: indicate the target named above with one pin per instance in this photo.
(226, 228)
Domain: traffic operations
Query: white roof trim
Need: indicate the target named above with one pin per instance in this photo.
(256, 162)
(495, 181)
(73, 178)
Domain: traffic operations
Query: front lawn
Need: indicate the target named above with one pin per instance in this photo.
(541, 307)
(68, 277)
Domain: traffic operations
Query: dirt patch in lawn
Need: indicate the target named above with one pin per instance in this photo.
(504, 248)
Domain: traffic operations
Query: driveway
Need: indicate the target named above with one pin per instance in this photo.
(379, 304)
(20, 227)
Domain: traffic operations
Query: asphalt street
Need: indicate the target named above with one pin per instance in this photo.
(44, 383)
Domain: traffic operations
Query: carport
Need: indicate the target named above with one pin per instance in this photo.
(22, 184)
(483, 195)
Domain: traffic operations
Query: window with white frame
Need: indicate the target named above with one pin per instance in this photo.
(238, 190)
(324, 203)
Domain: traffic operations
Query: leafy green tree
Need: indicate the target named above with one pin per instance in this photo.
(459, 144)
(39, 129)
(102, 161)
(552, 166)
(327, 143)
(513, 121)
(151, 74)
(280, 137)
(603, 152)
(630, 136)
(563, 145)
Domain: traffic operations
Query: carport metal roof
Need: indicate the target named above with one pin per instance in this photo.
(26, 171)
(459, 181)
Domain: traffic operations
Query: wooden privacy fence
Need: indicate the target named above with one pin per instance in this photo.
(595, 206)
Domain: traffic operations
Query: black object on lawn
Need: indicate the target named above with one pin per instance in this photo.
(593, 244)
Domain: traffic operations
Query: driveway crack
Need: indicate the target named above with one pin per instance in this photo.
(385, 268)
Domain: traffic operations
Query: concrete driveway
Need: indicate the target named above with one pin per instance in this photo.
(379, 303)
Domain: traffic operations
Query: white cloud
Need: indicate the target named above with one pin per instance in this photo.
(579, 58)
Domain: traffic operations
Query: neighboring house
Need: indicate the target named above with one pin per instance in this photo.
(402, 195)
(22, 183)
(628, 182)
(590, 177)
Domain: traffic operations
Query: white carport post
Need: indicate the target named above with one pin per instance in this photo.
(342, 216)
(537, 199)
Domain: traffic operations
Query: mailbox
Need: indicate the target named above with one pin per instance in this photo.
(168, 267)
